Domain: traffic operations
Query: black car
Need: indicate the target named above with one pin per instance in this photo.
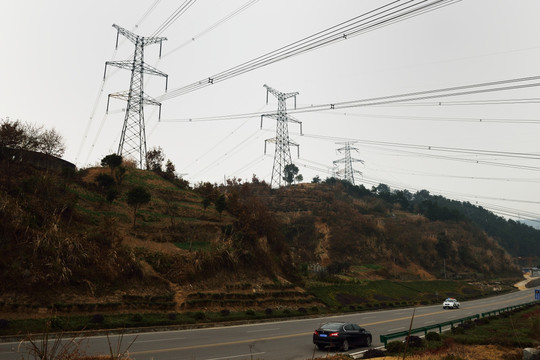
(341, 335)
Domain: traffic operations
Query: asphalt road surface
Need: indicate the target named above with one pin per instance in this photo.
(279, 340)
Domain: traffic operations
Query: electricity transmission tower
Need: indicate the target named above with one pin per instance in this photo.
(348, 172)
(282, 155)
(133, 138)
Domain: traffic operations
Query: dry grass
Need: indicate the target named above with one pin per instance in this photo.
(466, 352)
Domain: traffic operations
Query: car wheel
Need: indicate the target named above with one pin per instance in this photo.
(367, 343)
(345, 345)
(444, 307)
(320, 346)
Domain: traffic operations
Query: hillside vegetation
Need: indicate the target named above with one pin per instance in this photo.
(77, 241)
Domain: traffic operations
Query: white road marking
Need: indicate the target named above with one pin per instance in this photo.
(237, 356)
(156, 340)
(253, 331)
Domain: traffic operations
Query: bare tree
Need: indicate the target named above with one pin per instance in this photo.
(51, 143)
(19, 136)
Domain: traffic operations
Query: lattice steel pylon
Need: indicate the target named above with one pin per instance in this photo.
(347, 160)
(133, 138)
(282, 154)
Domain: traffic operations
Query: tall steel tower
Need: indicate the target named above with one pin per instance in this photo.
(133, 138)
(282, 155)
(347, 160)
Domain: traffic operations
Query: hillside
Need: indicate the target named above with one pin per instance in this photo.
(68, 245)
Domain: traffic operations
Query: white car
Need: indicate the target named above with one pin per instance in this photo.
(450, 303)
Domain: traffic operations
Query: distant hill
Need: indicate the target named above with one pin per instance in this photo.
(70, 238)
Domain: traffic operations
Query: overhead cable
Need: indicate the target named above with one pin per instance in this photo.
(462, 90)
(213, 26)
(371, 20)
(173, 17)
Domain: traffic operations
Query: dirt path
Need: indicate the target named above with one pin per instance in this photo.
(522, 285)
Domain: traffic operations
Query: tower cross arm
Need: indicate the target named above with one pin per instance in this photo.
(347, 148)
(278, 94)
(134, 38)
(125, 95)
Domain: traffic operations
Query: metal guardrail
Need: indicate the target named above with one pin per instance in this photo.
(384, 338)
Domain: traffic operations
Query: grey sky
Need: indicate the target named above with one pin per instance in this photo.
(53, 56)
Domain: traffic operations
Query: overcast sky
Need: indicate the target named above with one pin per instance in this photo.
(54, 53)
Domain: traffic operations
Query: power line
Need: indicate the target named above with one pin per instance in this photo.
(438, 118)
(213, 26)
(469, 89)
(147, 13)
(371, 20)
(173, 17)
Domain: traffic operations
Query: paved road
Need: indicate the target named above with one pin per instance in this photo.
(282, 340)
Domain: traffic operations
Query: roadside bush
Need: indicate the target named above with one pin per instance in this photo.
(458, 330)
(373, 353)
(199, 315)
(314, 309)
(172, 316)
(452, 357)
(416, 341)
(97, 319)
(268, 311)
(250, 312)
(395, 347)
(482, 321)
(4, 324)
(225, 312)
(137, 318)
(467, 325)
(302, 310)
(433, 336)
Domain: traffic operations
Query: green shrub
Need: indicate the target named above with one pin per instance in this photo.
(415, 341)
(250, 312)
(395, 347)
(482, 321)
(172, 316)
(225, 312)
(137, 318)
(533, 332)
(452, 357)
(373, 353)
(4, 324)
(433, 336)
(467, 325)
(314, 309)
(302, 310)
(98, 319)
(199, 315)
(268, 311)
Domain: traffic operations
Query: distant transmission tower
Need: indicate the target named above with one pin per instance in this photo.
(347, 160)
(282, 155)
(133, 138)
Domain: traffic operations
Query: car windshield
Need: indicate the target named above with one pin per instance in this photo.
(331, 326)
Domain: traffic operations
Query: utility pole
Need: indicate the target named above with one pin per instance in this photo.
(133, 138)
(348, 160)
(282, 155)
